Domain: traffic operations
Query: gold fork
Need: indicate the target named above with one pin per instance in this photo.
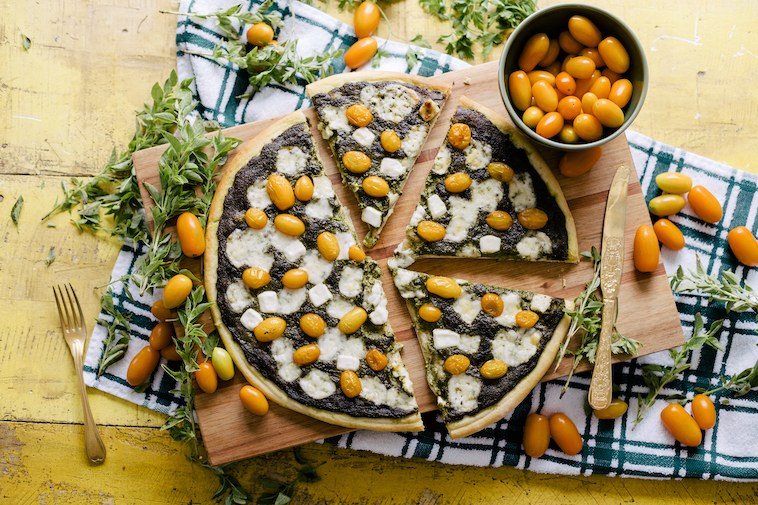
(75, 333)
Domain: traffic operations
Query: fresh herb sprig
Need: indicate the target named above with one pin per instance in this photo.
(587, 317)
(657, 377)
(480, 22)
(230, 20)
(740, 384)
(737, 297)
(115, 344)
(281, 493)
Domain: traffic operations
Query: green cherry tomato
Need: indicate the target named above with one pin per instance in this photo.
(681, 425)
(223, 364)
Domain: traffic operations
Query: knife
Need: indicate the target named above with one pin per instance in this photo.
(611, 264)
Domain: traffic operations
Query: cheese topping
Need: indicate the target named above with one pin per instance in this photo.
(257, 195)
(317, 384)
(468, 306)
(463, 392)
(330, 344)
(392, 102)
(413, 140)
(437, 207)
(351, 281)
(540, 303)
(322, 187)
(347, 362)
(250, 319)
(319, 209)
(478, 154)
(442, 161)
(364, 136)
(338, 307)
(372, 216)
(319, 294)
(238, 296)
(246, 248)
(268, 301)
(485, 196)
(489, 244)
(290, 300)
(534, 244)
(521, 192)
(445, 338)
(391, 167)
(333, 118)
(514, 346)
(290, 160)
(317, 267)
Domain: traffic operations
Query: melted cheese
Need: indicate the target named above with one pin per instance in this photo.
(333, 118)
(322, 187)
(392, 102)
(282, 351)
(478, 154)
(463, 392)
(469, 343)
(468, 306)
(511, 307)
(521, 192)
(317, 384)
(330, 344)
(380, 315)
(290, 160)
(257, 195)
(442, 160)
(485, 196)
(404, 282)
(319, 209)
(514, 346)
(290, 300)
(238, 296)
(534, 244)
(317, 267)
(339, 306)
(351, 281)
(414, 140)
(377, 393)
(246, 248)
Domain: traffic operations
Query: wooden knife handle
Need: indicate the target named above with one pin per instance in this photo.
(602, 381)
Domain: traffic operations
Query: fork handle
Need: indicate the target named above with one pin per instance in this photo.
(93, 444)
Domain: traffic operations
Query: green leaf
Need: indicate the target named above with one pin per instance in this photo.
(50, 256)
(26, 42)
(16, 210)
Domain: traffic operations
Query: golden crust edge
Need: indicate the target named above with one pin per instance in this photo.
(510, 401)
(335, 81)
(411, 422)
(540, 166)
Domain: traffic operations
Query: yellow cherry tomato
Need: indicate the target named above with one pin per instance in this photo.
(552, 54)
(705, 204)
(160, 311)
(520, 89)
(534, 50)
(532, 116)
(673, 182)
(668, 234)
(162, 335)
(536, 435)
(176, 291)
(260, 34)
(584, 31)
(142, 365)
(608, 113)
(565, 83)
(565, 434)
(541, 75)
(681, 425)
(613, 76)
(568, 43)
(584, 85)
(588, 127)
(666, 205)
(594, 54)
(206, 377)
(646, 250)
(704, 412)
(554, 68)
(569, 107)
(191, 235)
(170, 354)
(621, 91)
(254, 400)
(601, 87)
(616, 409)
(568, 135)
(744, 246)
(360, 52)
(366, 19)
(588, 100)
(576, 163)
(580, 67)
(550, 125)
(545, 96)
(614, 54)
(222, 362)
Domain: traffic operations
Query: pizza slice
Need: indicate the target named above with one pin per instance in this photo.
(376, 124)
(298, 304)
(485, 347)
(489, 194)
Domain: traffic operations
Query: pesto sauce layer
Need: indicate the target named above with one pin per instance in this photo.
(258, 354)
(485, 326)
(505, 151)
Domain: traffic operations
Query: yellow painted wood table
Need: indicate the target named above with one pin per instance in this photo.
(68, 100)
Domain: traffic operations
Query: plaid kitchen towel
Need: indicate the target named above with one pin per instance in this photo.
(729, 450)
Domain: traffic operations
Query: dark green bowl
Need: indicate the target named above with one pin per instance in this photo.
(552, 21)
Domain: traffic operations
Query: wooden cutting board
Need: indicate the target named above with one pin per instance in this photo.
(646, 305)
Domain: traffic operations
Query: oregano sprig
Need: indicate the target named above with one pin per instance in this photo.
(117, 340)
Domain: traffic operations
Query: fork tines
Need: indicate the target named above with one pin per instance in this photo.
(70, 321)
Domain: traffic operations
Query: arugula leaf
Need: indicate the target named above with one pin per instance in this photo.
(16, 211)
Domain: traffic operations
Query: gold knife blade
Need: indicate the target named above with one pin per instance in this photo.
(611, 265)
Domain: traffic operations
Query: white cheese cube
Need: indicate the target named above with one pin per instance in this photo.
(540, 303)
(319, 294)
(345, 362)
(489, 244)
(364, 136)
(250, 319)
(380, 315)
(437, 207)
(445, 338)
(268, 301)
(391, 167)
(294, 251)
(372, 216)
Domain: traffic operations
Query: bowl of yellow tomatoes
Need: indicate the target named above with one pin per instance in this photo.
(573, 76)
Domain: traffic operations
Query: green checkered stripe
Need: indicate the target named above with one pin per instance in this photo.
(217, 86)
(612, 447)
